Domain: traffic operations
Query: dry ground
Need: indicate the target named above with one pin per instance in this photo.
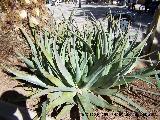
(8, 47)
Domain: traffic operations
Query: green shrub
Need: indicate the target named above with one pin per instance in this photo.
(78, 67)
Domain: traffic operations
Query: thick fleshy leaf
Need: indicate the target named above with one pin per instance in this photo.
(47, 54)
(107, 92)
(137, 50)
(78, 70)
(132, 45)
(29, 78)
(81, 39)
(53, 90)
(28, 62)
(94, 77)
(104, 61)
(127, 102)
(82, 112)
(158, 83)
(43, 114)
(122, 102)
(148, 71)
(65, 97)
(53, 96)
(141, 77)
(30, 42)
(63, 51)
(86, 106)
(52, 78)
(100, 102)
(110, 79)
(124, 81)
(40, 93)
(62, 67)
(66, 109)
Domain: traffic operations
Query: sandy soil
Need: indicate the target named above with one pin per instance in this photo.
(7, 56)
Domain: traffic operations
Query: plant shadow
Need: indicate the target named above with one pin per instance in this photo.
(10, 101)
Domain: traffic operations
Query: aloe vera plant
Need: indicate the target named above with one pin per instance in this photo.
(77, 67)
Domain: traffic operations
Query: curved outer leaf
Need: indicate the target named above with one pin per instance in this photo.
(66, 109)
(94, 77)
(30, 42)
(63, 51)
(33, 47)
(158, 83)
(85, 105)
(107, 92)
(123, 81)
(37, 61)
(47, 54)
(74, 58)
(100, 102)
(53, 96)
(52, 78)
(26, 60)
(43, 114)
(147, 72)
(78, 70)
(127, 102)
(29, 78)
(138, 49)
(110, 79)
(105, 61)
(52, 91)
(65, 97)
(141, 77)
(62, 67)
